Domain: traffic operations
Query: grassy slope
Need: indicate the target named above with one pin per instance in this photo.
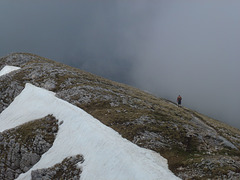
(140, 117)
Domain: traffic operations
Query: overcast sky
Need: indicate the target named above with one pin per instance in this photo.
(166, 47)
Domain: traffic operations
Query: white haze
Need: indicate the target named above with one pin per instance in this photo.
(165, 47)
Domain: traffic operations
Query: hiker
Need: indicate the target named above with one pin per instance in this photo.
(179, 100)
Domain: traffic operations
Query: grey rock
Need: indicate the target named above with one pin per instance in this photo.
(67, 169)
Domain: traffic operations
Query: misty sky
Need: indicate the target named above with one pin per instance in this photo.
(166, 47)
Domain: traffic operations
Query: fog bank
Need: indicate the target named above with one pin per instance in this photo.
(165, 47)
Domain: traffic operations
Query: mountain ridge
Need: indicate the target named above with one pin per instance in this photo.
(105, 154)
(186, 138)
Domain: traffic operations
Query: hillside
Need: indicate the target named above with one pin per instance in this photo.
(195, 146)
(100, 152)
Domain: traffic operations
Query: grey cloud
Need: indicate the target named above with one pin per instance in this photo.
(165, 47)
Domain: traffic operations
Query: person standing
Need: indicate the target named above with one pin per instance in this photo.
(179, 100)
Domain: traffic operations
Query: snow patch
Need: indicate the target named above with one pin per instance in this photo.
(107, 155)
(7, 69)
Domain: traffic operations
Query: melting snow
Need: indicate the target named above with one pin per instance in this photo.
(8, 69)
(107, 155)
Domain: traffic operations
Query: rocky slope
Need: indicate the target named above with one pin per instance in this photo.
(23, 146)
(196, 146)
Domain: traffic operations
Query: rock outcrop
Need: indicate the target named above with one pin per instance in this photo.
(67, 169)
(23, 146)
